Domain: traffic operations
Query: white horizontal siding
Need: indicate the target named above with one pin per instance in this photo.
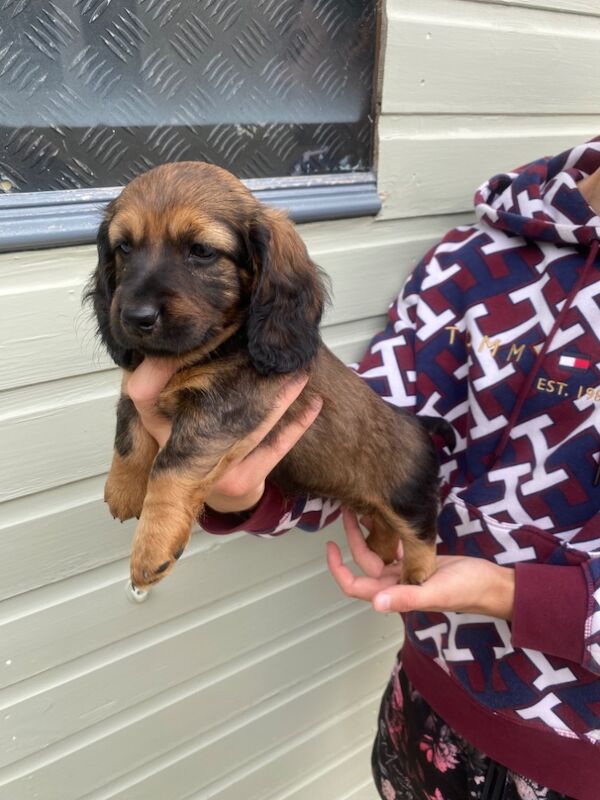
(183, 740)
(45, 332)
(89, 612)
(57, 442)
(57, 534)
(282, 739)
(304, 763)
(119, 676)
(433, 164)
(581, 7)
(457, 56)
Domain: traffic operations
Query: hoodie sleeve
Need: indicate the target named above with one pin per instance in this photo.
(543, 619)
(274, 515)
(557, 611)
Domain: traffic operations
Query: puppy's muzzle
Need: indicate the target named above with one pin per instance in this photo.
(140, 319)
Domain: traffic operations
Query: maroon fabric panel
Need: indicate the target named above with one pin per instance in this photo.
(550, 610)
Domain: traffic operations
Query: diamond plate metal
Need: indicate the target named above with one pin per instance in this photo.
(96, 91)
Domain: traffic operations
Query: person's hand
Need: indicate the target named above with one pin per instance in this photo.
(460, 583)
(242, 486)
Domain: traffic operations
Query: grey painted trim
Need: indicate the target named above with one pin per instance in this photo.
(56, 219)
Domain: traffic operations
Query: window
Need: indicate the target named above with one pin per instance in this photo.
(94, 92)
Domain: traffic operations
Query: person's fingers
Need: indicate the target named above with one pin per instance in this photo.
(158, 427)
(362, 588)
(460, 583)
(289, 392)
(366, 559)
(403, 598)
(243, 483)
(143, 386)
(261, 460)
(245, 478)
(370, 563)
(147, 381)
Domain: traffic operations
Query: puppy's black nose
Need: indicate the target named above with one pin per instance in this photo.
(140, 318)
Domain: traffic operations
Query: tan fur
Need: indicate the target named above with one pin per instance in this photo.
(129, 226)
(125, 487)
(173, 501)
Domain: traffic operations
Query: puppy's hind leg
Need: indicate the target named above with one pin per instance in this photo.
(415, 504)
(418, 560)
(383, 539)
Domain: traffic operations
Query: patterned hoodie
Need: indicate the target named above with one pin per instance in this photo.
(497, 331)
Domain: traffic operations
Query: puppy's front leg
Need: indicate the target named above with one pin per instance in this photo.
(134, 454)
(182, 475)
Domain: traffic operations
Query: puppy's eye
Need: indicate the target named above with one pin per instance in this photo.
(124, 247)
(203, 253)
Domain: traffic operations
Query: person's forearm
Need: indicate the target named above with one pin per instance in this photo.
(263, 517)
(499, 600)
(236, 504)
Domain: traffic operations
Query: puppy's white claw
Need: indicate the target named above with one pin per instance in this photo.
(134, 594)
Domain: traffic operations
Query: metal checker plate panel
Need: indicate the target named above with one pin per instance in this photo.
(96, 91)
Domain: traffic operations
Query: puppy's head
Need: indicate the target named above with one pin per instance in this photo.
(187, 257)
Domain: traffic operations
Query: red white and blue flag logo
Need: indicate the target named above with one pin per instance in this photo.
(575, 362)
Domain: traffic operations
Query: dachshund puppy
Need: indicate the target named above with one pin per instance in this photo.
(192, 266)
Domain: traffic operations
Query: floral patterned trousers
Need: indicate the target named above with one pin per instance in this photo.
(416, 756)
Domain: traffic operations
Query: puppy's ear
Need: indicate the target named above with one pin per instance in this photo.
(287, 299)
(100, 291)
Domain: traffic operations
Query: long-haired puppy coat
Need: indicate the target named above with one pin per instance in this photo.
(192, 266)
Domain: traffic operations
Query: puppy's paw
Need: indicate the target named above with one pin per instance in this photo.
(124, 499)
(414, 576)
(152, 559)
(384, 544)
(419, 565)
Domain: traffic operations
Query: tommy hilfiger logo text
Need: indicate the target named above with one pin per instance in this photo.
(567, 360)
(514, 354)
(570, 361)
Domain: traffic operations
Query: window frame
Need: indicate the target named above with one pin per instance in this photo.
(68, 217)
(34, 220)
